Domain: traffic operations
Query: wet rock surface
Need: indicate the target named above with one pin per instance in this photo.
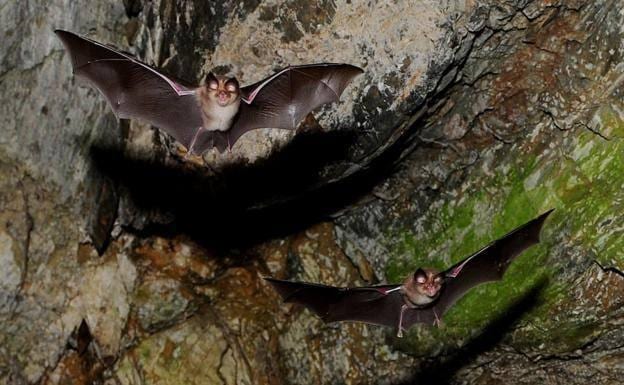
(471, 118)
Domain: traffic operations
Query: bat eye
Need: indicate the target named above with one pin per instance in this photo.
(213, 85)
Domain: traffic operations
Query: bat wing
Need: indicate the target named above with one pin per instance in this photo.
(379, 305)
(134, 89)
(486, 265)
(285, 98)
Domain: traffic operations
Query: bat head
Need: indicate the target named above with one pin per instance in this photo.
(422, 288)
(221, 89)
(427, 282)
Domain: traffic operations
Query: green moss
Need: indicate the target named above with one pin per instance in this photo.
(145, 351)
(583, 180)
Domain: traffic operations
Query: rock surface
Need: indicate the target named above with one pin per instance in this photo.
(471, 118)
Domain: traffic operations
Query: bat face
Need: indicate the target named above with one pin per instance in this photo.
(220, 100)
(422, 288)
(221, 90)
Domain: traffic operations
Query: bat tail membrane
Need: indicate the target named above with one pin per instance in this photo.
(205, 140)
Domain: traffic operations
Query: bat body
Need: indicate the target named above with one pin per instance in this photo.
(220, 102)
(424, 297)
(215, 114)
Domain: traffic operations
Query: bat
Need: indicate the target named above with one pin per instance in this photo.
(215, 114)
(423, 297)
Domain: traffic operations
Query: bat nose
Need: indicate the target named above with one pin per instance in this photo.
(223, 97)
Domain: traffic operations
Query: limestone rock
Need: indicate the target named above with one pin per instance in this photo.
(471, 118)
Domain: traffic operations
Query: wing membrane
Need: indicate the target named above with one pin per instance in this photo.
(285, 98)
(488, 264)
(374, 305)
(134, 89)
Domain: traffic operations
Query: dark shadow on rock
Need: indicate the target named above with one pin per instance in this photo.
(244, 204)
(442, 370)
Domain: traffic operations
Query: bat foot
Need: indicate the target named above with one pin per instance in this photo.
(189, 156)
(400, 328)
(183, 152)
(229, 146)
(193, 158)
(437, 322)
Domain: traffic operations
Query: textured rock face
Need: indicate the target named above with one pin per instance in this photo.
(470, 119)
(533, 122)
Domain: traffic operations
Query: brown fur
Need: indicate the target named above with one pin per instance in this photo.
(219, 105)
(418, 294)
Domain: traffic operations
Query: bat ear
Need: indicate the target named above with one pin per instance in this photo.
(420, 276)
(211, 81)
(211, 78)
(232, 81)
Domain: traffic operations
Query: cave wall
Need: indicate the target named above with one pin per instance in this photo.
(470, 119)
(532, 122)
